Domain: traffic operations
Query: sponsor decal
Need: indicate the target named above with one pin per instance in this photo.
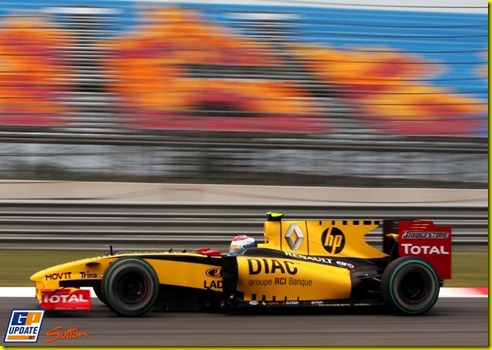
(58, 333)
(429, 241)
(294, 237)
(58, 276)
(345, 264)
(333, 240)
(269, 266)
(265, 272)
(280, 281)
(63, 299)
(309, 258)
(409, 248)
(320, 259)
(424, 235)
(24, 326)
(300, 282)
(89, 275)
(216, 272)
(212, 284)
(260, 283)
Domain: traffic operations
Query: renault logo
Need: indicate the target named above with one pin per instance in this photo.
(294, 237)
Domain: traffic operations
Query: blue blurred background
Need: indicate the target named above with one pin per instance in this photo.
(291, 93)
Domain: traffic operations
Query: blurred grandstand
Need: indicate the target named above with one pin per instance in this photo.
(250, 94)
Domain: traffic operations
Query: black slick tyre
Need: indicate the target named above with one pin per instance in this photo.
(99, 293)
(410, 286)
(130, 287)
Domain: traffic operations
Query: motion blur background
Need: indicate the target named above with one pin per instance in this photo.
(260, 92)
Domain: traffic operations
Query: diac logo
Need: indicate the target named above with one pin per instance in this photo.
(24, 326)
(333, 240)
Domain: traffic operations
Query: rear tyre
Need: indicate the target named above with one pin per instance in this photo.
(130, 287)
(410, 286)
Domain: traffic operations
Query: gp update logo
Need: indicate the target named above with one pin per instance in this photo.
(24, 326)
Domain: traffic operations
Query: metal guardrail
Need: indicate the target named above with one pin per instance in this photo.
(83, 225)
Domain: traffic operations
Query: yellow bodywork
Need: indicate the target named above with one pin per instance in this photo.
(300, 279)
(85, 269)
(308, 264)
(178, 273)
(337, 238)
(272, 279)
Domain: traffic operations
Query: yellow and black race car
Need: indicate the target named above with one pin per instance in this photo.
(301, 263)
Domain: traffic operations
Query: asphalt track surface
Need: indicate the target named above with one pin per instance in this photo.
(452, 322)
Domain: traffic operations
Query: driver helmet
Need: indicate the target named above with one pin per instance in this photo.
(241, 243)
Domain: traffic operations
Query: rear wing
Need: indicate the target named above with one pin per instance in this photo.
(420, 238)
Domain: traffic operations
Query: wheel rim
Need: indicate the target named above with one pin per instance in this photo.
(132, 288)
(414, 288)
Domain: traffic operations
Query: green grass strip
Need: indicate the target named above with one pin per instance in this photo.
(469, 268)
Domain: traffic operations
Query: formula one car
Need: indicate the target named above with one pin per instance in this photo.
(313, 263)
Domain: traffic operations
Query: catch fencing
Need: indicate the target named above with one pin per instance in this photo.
(96, 225)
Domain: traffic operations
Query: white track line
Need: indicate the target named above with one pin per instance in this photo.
(25, 292)
(30, 292)
(464, 292)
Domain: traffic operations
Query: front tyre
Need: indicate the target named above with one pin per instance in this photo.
(99, 293)
(130, 287)
(410, 286)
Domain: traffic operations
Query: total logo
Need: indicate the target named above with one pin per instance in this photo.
(409, 248)
(66, 299)
(24, 326)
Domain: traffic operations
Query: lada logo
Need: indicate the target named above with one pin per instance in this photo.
(333, 240)
(216, 272)
(216, 283)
